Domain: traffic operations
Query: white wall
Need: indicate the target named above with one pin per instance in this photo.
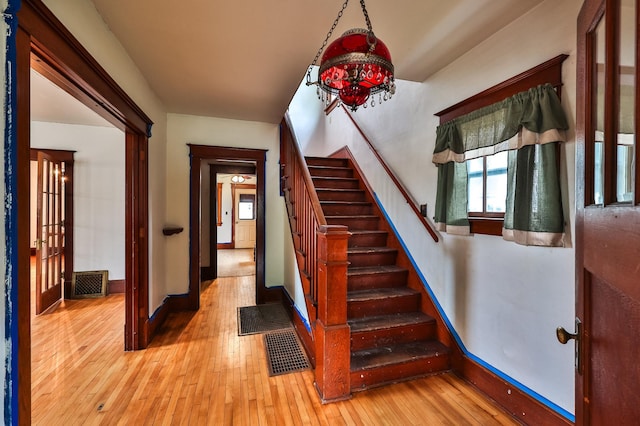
(98, 192)
(83, 21)
(503, 300)
(184, 129)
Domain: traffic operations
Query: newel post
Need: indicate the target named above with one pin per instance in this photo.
(333, 348)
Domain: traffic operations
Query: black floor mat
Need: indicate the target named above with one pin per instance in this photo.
(262, 318)
(284, 352)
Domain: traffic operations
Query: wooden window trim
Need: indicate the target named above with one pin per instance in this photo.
(548, 72)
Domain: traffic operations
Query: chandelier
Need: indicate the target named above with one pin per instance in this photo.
(354, 67)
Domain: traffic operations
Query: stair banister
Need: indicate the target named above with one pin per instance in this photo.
(321, 253)
(412, 204)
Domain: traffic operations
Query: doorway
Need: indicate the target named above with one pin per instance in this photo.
(223, 160)
(41, 41)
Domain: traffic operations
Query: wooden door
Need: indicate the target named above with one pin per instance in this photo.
(50, 218)
(608, 214)
(245, 216)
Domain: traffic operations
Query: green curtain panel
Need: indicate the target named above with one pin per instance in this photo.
(529, 125)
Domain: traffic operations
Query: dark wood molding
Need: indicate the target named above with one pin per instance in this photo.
(116, 286)
(517, 402)
(486, 226)
(67, 63)
(547, 72)
(225, 246)
(172, 230)
(42, 40)
(199, 154)
(304, 335)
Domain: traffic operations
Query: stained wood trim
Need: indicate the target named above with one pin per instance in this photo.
(224, 246)
(396, 181)
(219, 205)
(517, 402)
(72, 67)
(198, 154)
(116, 286)
(41, 33)
(547, 72)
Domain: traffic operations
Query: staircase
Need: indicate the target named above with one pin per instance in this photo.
(392, 339)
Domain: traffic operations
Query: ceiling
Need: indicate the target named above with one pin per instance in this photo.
(245, 59)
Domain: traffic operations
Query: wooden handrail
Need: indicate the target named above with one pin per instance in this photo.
(396, 181)
(304, 210)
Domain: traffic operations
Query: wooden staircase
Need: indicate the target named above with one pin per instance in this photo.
(392, 339)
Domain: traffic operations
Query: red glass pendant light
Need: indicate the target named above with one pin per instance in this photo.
(354, 67)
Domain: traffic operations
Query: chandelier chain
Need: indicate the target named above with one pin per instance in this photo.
(366, 16)
(330, 33)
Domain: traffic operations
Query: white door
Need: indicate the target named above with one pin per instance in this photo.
(245, 217)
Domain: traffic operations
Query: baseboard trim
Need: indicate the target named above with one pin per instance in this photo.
(224, 246)
(170, 304)
(517, 402)
(116, 286)
(301, 329)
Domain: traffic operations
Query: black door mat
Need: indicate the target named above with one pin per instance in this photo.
(284, 352)
(262, 318)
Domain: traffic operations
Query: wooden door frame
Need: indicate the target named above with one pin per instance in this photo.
(62, 59)
(199, 154)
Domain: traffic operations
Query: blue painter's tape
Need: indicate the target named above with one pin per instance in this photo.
(303, 319)
(494, 370)
(11, 217)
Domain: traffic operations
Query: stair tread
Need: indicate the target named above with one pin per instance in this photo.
(378, 293)
(346, 203)
(353, 216)
(397, 354)
(365, 324)
(380, 269)
(364, 250)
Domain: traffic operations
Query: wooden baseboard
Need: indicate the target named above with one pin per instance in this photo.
(116, 286)
(305, 336)
(224, 246)
(517, 402)
(170, 304)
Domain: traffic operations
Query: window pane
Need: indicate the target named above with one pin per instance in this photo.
(626, 131)
(497, 182)
(598, 90)
(475, 173)
(245, 207)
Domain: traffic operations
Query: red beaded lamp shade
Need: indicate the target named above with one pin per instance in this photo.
(354, 67)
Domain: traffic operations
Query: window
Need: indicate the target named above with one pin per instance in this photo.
(487, 185)
(497, 160)
(246, 207)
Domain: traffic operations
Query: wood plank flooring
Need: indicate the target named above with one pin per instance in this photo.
(198, 371)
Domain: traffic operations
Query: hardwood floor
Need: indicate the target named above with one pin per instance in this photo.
(199, 371)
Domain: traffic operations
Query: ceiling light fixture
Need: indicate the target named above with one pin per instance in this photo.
(354, 67)
(237, 179)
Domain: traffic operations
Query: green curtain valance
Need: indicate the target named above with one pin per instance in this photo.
(495, 128)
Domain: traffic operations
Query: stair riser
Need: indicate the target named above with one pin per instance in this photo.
(372, 259)
(368, 240)
(356, 223)
(384, 306)
(392, 336)
(329, 183)
(327, 162)
(345, 209)
(364, 379)
(378, 280)
(330, 172)
(347, 195)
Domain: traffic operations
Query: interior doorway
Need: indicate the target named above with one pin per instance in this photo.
(42, 42)
(234, 161)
